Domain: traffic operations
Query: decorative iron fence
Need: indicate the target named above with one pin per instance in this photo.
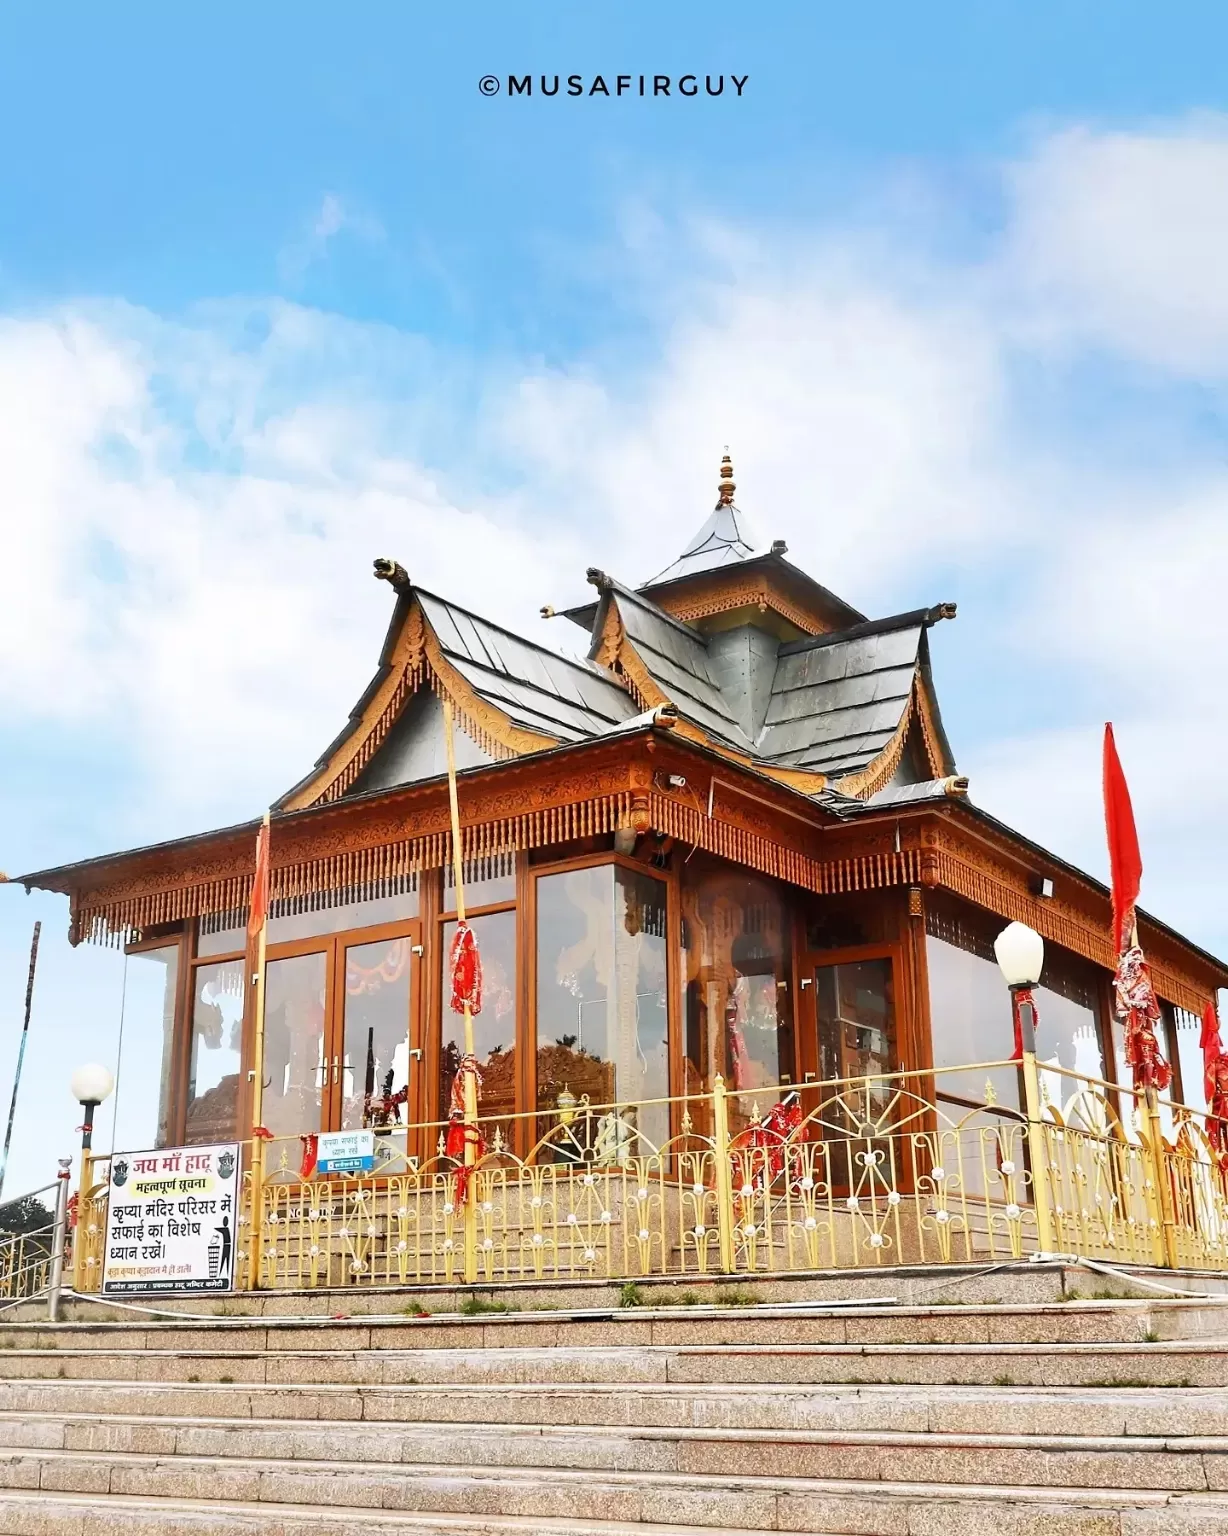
(27, 1237)
(874, 1171)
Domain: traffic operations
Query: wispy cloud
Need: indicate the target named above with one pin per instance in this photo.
(313, 243)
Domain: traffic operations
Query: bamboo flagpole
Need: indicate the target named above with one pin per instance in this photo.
(258, 929)
(468, 1067)
(21, 1053)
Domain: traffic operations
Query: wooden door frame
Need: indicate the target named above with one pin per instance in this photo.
(808, 961)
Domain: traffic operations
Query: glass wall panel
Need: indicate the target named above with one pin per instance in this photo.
(1188, 1031)
(215, 1055)
(376, 1055)
(739, 1015)
(142, 1101)
(856, 1012)
(309, 925)
(602, 1014)
(970, 1019)
(1068, 1035)
(494, 1029)
(295, 1064)
(487, 882)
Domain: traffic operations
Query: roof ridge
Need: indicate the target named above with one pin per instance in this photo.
(920, 618)
(583, 664)
(605, 583)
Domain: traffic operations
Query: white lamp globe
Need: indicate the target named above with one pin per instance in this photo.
(91, 1084)
(1021, 954)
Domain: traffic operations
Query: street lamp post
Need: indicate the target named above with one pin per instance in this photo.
(1021, 957)
(1020, 952)
(91, 1086)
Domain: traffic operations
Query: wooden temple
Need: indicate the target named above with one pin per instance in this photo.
(729, 839)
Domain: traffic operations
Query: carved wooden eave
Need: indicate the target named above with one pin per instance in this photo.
(964, 851)
(412, 659)
(371, 844)
(768, 584)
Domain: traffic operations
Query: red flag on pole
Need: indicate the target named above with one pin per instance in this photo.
(260, 885)
(1137, 1004)
(1125, 860)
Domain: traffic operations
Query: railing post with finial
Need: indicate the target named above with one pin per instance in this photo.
(724, 1184)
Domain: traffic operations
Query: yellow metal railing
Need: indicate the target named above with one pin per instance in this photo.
(876, 1171)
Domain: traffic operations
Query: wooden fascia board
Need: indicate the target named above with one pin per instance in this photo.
(1079, 901)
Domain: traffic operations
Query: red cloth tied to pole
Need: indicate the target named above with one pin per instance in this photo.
(260, 884)
(461, 1134)
(1215, 1083)
(1138, 1006)
(781, 1125)
(1019, 997)
(466, 966)
(311, 1149)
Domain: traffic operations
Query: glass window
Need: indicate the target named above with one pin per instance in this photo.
(855, 1007)
(295, 1065)
(739, 1016)
(494, 1029)
(376, 1056)
(215, 1056)
(488, 882)
(970, 1021)
(602, 1013)
(1068, 1036)
(142, 1103)
(1188, 1031)
(291, 926)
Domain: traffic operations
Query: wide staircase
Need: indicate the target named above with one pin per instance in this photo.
(1016, 1417)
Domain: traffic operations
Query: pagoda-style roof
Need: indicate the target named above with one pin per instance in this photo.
(779, 675)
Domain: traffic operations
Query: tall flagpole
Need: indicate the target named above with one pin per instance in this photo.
(470, 1083)
(258, 920)
(21, 1053)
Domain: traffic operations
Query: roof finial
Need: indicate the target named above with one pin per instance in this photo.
(727, 487)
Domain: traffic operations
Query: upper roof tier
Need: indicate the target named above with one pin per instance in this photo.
(758, 661)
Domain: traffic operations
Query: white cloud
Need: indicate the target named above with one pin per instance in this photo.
(1121, 239)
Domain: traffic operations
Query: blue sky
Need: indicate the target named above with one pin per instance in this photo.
(280, 291)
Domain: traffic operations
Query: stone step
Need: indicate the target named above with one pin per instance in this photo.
(1068, 1460)
(747, 1503)
(1056, 1323)
(1163, 1363)
(1104, 1412)
(66, 1514)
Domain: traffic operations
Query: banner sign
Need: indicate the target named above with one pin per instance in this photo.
(171, 1220)
(351, 1152)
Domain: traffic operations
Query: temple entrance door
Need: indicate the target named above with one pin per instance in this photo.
(848, 1020)
(376, 987)
(338, 1017)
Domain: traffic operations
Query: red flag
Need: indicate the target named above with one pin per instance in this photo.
(260, 885)
(1212, 1050)
(1125, 861)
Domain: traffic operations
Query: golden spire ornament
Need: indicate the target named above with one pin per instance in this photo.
(727, 487)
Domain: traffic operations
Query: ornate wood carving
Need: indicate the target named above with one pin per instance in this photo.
(724, 592)
(416, 659)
